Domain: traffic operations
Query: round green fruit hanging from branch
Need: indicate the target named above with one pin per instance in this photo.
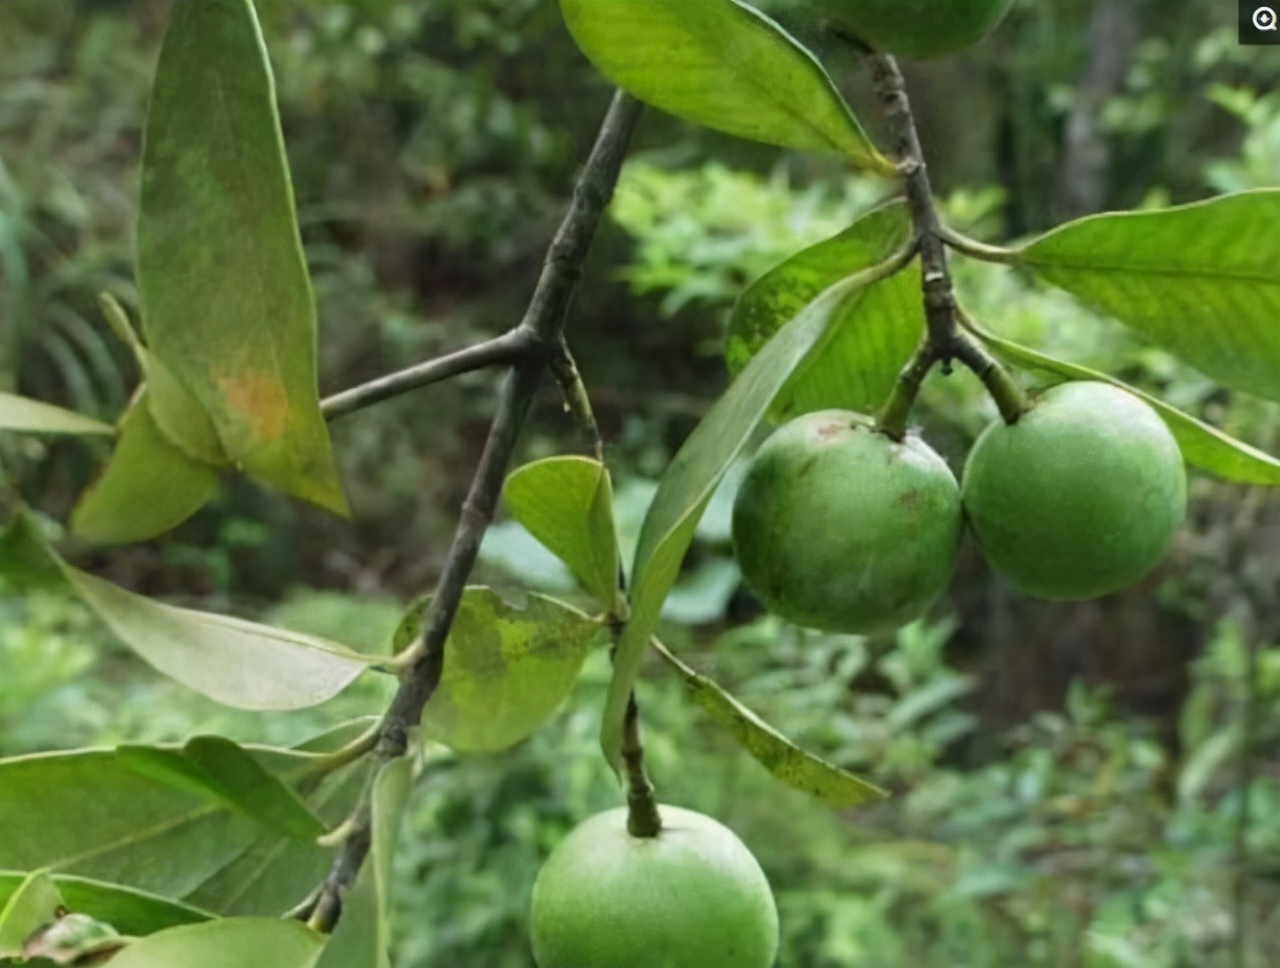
(691, 897)
(1080, 496)
(841, 528)
(917, 28)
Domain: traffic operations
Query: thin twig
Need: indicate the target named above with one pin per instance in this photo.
(939, 296)
(541, 329)
(565, 369)
(506, 348)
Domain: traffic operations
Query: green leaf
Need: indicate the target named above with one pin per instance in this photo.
(25, 562)
(506, 669)
(721, 64)
(362, 938)
(32, 416)
(183, 419)
(567, 504)
(1200, 280)
(34, 904)
(235, 662)
(129, 831)
(74, 939)
(271, 874)
(691, 479)
(148, 487)
(232, 661)
(242, 942)
(780, 756)
(86, 813)
(226, 300)
(118, 320)
(132, 912)
(218, 769)
(1202, 445)
(873, 332)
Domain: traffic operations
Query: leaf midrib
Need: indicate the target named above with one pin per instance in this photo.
(753, 82)
(1177, 273)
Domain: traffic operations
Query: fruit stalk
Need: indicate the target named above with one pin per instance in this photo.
(540, 332)
(944, 340)
(642, 807)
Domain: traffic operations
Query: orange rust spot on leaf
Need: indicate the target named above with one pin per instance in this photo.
(259, 400)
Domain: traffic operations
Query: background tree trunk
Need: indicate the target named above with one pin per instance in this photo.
(1114, 29)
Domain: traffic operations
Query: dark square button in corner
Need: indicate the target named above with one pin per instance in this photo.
(1259, 23)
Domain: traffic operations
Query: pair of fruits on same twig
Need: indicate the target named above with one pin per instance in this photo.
(840, 527)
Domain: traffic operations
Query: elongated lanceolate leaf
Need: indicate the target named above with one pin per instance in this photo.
(1201, 280)
(872, 333)
(147, 488)
(230, 660)
(222, 771)
(567, 504)
(239, 942)
(792, 765)
(226, 299)
(691, 479)
(131, 911)
(87, 814)
(32, 416)
(1203, 446)
(722, 64)
(270, 874)
(233, 661)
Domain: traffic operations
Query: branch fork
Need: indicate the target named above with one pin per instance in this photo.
(533, 346)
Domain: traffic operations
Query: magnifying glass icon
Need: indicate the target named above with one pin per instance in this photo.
(1264, 18)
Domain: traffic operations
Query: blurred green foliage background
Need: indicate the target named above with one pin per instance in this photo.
(1067, 778)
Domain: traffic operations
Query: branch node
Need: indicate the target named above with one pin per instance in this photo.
(527, 349)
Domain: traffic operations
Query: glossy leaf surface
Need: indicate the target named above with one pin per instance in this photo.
(1203, 445)
(691, 479)
(506, 669)
(226, 298)
(791, 764)
(148, 487)
(1201, 280)
(722, 64)
(34, 416)
(567, 504)
(873, 331)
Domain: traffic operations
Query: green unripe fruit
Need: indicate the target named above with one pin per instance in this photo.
(839, 527)
(917, 28)
(1081, 496)
(691, 897)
